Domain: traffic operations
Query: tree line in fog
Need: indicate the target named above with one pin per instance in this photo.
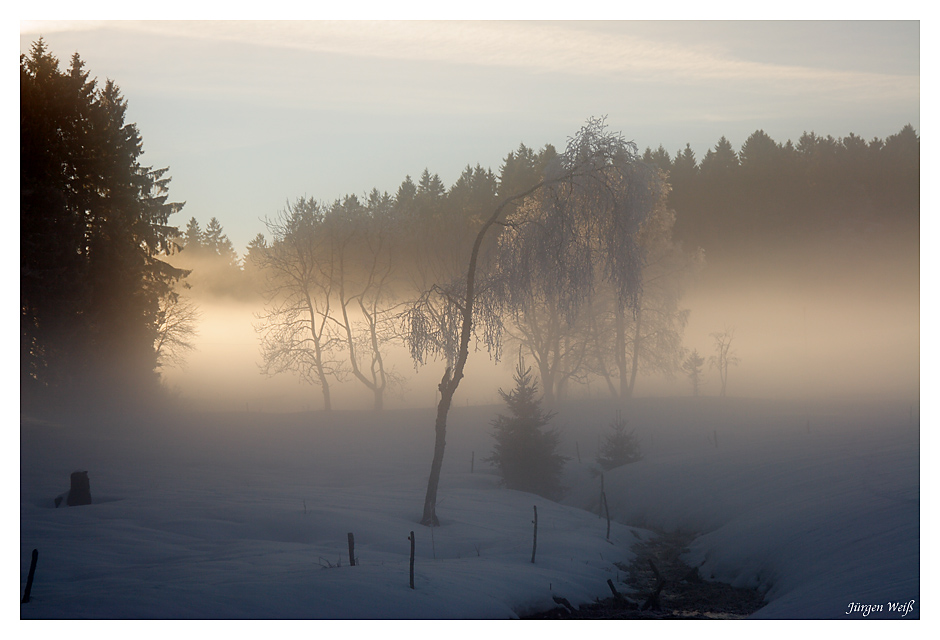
(770, 190)
(109, 287)
(342, 282)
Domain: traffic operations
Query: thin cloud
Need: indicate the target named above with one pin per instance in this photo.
(568, 48)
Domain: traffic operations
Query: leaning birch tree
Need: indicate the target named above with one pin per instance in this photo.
(597, 194)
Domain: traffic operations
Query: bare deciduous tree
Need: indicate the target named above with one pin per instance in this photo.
(176, 329)
(362, 254)
(560, 349)
(724, 356)
(295, 329)
(597, 195)
(649, 340)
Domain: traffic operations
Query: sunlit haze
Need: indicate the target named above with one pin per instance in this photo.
(251, 115)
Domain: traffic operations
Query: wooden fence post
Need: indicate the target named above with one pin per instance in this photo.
(607, 511)
(29, 578)
(535, 531)
(411, 572)
(352, 546)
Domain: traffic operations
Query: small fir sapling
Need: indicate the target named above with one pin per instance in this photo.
(525, 453)
(692, 366)
(620, 447)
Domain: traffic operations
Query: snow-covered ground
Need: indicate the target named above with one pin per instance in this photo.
(246, 515)
(817, 508)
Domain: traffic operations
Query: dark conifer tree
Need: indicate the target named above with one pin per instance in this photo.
(720, 161)
(620, 446)
(900, 164)
(379, 205)
(684, 196)
(525, 452)
(93, 222)
(692, 366)
(430, 186)
(218, 244)
(405, 197)
(659, 158)
(193, 237)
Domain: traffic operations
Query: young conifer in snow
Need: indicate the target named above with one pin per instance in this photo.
(693, 368)
(525, 452)
(620, 447)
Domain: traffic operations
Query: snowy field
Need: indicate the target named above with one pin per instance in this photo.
(246, 515)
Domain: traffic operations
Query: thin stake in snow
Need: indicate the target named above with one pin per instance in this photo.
(535, 531)
(29, 578)
(411, 572)
(352, 547)
(652, 602)
(613, 589)
(606, 511)
(577, 451)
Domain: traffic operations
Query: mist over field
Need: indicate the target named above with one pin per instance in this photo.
(836, 318)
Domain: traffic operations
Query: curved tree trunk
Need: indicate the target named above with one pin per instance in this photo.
(449, 383)
(429, 517)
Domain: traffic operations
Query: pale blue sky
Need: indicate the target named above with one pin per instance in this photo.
(250, 114)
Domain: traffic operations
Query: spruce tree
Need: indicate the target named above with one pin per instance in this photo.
(620, 447)
(693, 368)
(525, 452)
(218, 244)
(192, 237)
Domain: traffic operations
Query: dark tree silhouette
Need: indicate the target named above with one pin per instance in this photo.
(692, 366)
(362, 248)
(659, 158)
(650, 339)
(601, 193)
(771, 191)
(212, 262)
(192, 238)
(620, 446)
(525, 453)
(724, 356)
(93, 222)
(176, 332)
(295, 328)
(217, 243)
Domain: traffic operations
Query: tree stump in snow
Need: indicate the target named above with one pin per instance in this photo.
(80, 491)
